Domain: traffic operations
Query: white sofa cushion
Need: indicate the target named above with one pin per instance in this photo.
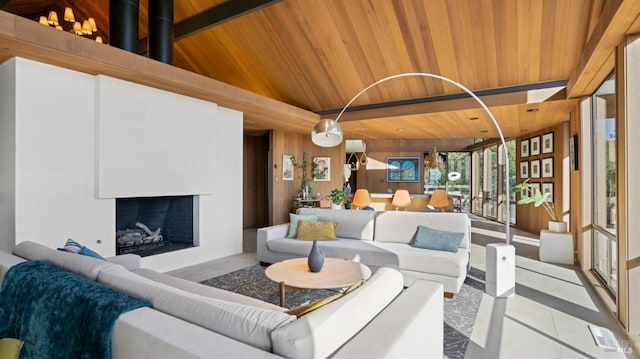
(351, 224)
(323, 331)
(428, 260)
(148, 333)
(401, 226)
(7, 261)
(247, 324)
(77, 263)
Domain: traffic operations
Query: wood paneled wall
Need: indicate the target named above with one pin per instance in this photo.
(528, 217)
(283, 192)
(374, 176)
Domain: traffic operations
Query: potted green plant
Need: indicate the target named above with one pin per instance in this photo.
(304, 191)
(337, 196)
(533, 196)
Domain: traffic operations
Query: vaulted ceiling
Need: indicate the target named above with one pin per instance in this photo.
(318, 54)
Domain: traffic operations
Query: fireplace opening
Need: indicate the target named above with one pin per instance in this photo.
(154, 225)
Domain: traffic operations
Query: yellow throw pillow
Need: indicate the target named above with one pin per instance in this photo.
(10, 348)
(321, 231)
(303, 309)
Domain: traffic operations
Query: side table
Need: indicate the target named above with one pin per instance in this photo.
(294, 274)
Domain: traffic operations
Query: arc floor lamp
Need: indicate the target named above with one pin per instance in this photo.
(328, 133)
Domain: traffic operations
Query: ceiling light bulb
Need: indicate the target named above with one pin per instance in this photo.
(43, 21)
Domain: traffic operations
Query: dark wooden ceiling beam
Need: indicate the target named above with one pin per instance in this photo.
(216, 15)
(514, 95)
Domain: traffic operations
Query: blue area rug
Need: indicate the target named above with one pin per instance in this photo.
(459, 312)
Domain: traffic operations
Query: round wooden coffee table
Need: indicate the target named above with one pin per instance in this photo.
(335, 273)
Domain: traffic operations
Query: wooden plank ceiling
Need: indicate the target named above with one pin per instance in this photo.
(317, 54)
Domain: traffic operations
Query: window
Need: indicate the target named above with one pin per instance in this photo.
(604, 183)
(479, 184)
(459, 185)
(489, 184)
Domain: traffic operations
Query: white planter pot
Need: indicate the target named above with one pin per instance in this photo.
(336, 206)
(556, 247)
(558, 227)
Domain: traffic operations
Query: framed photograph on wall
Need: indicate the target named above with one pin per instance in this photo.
(548, 188)
(535, 168)
(547, 167)
(524, 148)
(534, 187)
(322, 169)
(287, 168)
(547, 143)
(524, 169)
(535, 146)
(403, 169)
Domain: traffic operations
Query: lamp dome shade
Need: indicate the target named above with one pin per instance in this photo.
(326, 133)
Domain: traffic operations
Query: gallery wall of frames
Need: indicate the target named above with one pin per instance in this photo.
(540, 159)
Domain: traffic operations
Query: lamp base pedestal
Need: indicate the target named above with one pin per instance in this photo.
(500, 270)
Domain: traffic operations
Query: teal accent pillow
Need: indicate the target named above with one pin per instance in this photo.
(77, 248)
(293, 222)
(429, 238)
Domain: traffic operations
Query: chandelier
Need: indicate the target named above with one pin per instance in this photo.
(87, 29)
(433, 160)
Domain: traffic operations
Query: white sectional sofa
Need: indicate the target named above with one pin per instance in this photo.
(380, 239)
(188, 320)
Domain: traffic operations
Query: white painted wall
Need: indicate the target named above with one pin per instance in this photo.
(55, 159)
(220, 217)
(7, 155)
(148, 139)
(56, 166)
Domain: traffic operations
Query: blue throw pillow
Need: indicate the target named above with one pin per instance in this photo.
(429, 238)
(77, 248)
(293, 222)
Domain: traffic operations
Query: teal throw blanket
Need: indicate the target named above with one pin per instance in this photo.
(59, 314)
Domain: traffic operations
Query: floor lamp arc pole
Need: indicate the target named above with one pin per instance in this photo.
(482, 104)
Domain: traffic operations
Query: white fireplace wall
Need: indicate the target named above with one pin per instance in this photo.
(153, 142)
(49, 164)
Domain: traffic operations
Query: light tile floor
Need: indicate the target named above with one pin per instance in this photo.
(547, 318)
